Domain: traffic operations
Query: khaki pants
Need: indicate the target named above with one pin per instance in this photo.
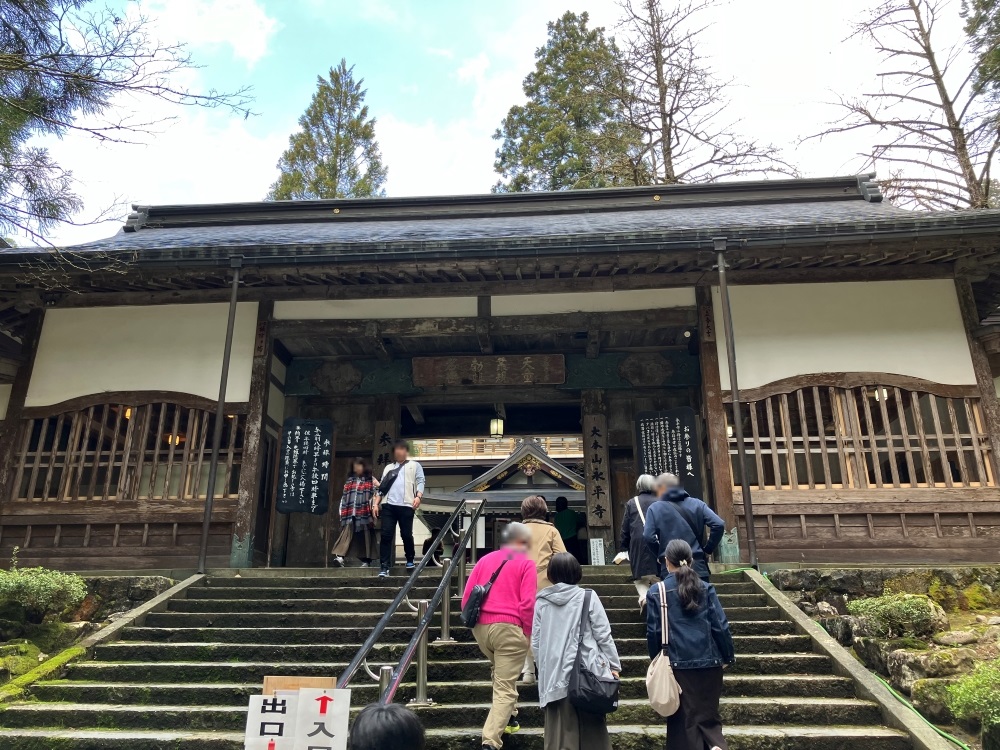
(568, 729)
(642, 586)
(505, 646)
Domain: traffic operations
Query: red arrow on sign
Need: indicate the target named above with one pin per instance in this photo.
(324, 702)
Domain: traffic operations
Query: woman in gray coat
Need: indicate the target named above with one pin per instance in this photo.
(555, 634)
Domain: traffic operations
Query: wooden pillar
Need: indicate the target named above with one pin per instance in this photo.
(386, 432)
(241, 553)
(714, 412)
(988, 400)
(11, 425)
(597, 470)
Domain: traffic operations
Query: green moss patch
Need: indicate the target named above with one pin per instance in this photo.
(50, 668)
(900, 615)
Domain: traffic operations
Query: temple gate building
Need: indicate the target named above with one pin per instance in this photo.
(865, 426)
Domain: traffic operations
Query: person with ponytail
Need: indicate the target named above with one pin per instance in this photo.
(700, 646)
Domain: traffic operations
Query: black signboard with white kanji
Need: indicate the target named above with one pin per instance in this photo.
(304, 473)
(668, 442)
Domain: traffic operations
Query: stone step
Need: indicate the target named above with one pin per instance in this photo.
(392, 634)
(304, 619)
(779, 737)
(379, 606)
(320, 651)
(422, 591)
(756, 711)
(197, 671)
(467, 738)
(364, 691)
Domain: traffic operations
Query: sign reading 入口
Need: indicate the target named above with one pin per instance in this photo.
(668, 442)
(304, 472)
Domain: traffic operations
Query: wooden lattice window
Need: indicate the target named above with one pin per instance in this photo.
(864, 436)
(123, 452)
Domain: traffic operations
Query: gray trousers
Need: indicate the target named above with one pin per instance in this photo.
(568, 729)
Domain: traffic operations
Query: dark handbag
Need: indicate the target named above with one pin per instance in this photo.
(390, 479)
(588, 692)
(474, 605)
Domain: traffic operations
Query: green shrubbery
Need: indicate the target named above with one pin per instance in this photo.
(900, 615)
(976, 696)
(40, 591)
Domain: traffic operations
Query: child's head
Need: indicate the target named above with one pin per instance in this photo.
(389, 727)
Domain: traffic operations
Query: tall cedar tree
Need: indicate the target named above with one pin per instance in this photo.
(934, 113)
(572, 132)
(982, 24)
(63, 68)
(335, 154)
(678, 104)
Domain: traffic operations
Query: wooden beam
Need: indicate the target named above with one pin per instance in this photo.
(593, 343)
(503, 326)
(569, 283)
(981, 366)
(713, 412)
(501, 410)
(373, 335)
(248, 497)
(11, 425)
(417, 413)
(483, 334)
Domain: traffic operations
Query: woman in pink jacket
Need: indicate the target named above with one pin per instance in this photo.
(503, 631)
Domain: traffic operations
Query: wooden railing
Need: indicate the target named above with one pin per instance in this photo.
(560, 446)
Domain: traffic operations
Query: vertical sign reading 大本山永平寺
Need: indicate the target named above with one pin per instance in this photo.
(668, 441)
(304, 472)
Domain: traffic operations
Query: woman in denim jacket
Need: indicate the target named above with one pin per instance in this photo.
(700, 647)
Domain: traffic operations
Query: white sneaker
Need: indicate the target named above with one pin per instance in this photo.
(528, 678)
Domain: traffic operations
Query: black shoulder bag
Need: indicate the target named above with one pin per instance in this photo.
(473, 607)
(588, 692)
(390, 479)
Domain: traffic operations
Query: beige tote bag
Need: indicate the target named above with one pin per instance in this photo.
(661, 685)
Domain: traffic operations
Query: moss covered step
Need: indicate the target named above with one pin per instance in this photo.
(779, 737)
(199, 671)
(795, 711)
(356, 635)
(222, 590)
(148, 651)
(447, 693)
(305, 619)
(75, 739)
(731, 601)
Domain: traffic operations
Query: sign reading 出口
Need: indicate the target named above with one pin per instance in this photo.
(500, 370)
(668, 442)
(304, 474)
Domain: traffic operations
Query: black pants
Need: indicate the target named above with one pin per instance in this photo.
(697, 724)
(392, 515)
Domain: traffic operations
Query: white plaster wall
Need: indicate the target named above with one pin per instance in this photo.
(903, 327)
(376, 309)
(157, 348)
(635, 299)
(5, 389)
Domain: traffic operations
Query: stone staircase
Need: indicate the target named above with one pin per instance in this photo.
(181, 681)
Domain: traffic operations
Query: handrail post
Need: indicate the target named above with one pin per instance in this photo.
(445, 636)
(421, 696)
(384, 678)
(461, 572)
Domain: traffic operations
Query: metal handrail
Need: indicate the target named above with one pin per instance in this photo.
(420, 633)
(366, 647)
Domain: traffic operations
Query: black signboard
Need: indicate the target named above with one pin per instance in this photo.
(304, 474)
(668, 442)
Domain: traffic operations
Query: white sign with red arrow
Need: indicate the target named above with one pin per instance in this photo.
(321, 722)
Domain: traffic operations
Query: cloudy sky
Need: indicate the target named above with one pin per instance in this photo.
(440, 76)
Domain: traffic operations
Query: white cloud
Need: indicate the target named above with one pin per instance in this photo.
(447, 54)
(474, 68)
(242, 25)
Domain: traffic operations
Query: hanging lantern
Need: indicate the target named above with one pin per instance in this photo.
(496, 427)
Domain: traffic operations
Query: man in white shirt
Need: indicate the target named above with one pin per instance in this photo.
(399, 504)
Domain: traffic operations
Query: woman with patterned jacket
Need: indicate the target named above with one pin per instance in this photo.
(357, 530)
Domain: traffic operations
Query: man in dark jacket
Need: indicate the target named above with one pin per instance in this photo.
(631, 544)
(677, 515)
